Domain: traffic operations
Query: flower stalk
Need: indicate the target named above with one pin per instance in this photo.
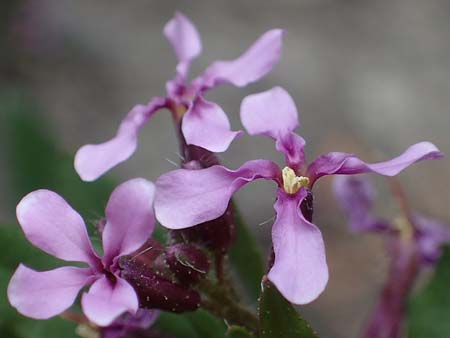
(221, 302)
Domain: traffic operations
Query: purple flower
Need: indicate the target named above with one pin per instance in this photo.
(52, 225)
(185, 198)
(128, 324)
(356, 195)
(202, 117)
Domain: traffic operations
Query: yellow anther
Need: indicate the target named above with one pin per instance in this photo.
(405, 229)
(291, 182)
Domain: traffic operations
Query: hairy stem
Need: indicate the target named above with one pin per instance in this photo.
(220, 301)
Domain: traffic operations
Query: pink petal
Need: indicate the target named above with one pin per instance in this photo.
(185, 40)
(300, 270)
(293, 148)
(93, 160)
(272, 113)
(130, 218)
(51, 224)
(188, 197)
(348, 164)
(106, 300)
(206, 125)
(251, 66)
(41, 295)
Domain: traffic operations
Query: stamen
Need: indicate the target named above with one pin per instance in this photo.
(291, 182)
(405, 229)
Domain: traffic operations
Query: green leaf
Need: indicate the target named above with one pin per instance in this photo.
(246, 258)
(176, 325)
(35, 162)
(206, 325)
(198, 324)
(52, 328)
(429, 310)
(238, 332)
(278, 318)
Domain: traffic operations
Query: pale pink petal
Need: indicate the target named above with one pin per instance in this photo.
(348, 164)
(206, 125)
(251, 66)
(93, 160)
(130, 218)
(185, 40)
(41, 295)
(300, 270)
(188, 197)
(272, 113)
(106, 300)
(51, 224)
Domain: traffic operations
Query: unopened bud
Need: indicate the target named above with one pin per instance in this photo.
(156, 292)
(307, 206)
(217, 235)
(188, 263)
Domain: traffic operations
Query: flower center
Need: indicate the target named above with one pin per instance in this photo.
(291, 182)
(111, 277)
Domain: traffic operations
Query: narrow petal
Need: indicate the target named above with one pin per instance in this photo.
(271, 113)
(300, 270)
(130, 218)
(251, 66)
(185, 40)
(356, 196)
(51, 224)
(348, 164)
(106, 300)
(93, 160)
(188, 197)
(206, 125)
(41, 295)
(293, 148)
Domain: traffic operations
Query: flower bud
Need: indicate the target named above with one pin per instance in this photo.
(307, 206)
(188, 263)
(217, 235)
(156, 292)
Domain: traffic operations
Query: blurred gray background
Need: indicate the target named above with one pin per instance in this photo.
(370, 77)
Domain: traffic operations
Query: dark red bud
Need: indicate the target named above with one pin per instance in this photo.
(156, 292)
(217, 235)
(307, 206)
(148, 253)
(188, 263)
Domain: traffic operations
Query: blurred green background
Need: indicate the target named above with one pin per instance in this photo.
(368, 77)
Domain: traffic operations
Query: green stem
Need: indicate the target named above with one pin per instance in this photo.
(221, 302)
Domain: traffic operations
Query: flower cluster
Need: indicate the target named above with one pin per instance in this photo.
(299, 271)
(135, 271)
(415, 242)
(204, 123)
